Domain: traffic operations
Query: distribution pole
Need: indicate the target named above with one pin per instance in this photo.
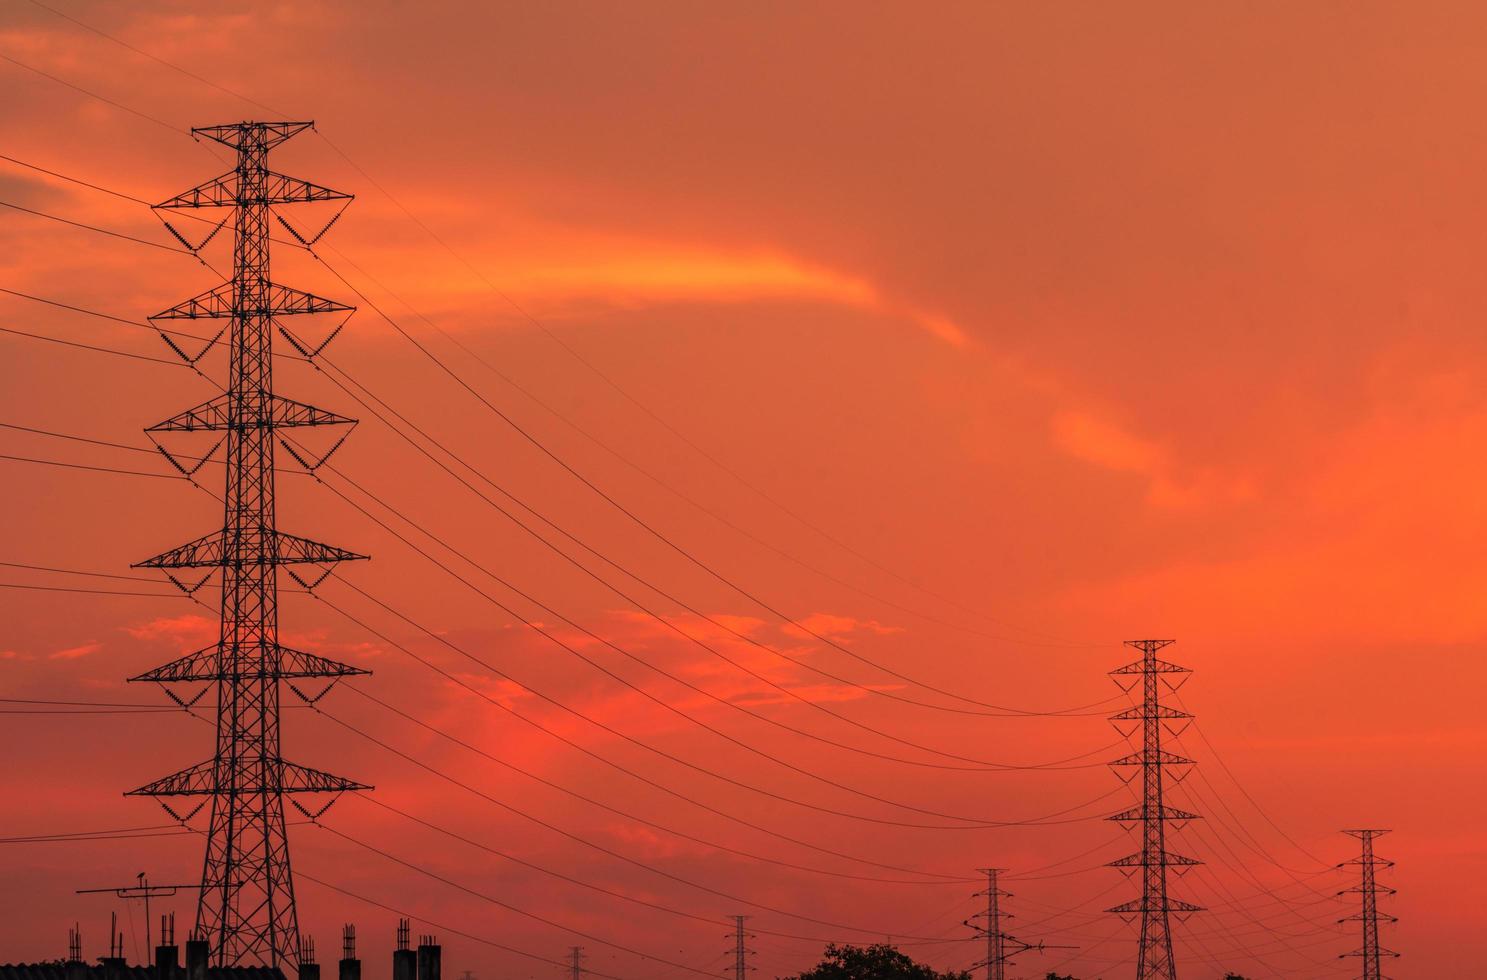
(246, 910)
(1368, 863)
(1154, 959)
(741, 951)
(140, 889)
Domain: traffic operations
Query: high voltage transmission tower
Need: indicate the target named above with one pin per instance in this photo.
(740, 951)
(1001, 947)
(246, 910)
(1152, 717)
(575, 954)
(1368, 887)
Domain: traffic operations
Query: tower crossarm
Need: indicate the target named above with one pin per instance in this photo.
(206, 665)
(275, 300)
(262, 776)
(227, 191)
(1142, 713)
(1158, 756)
(215, 415)
(1136, 813)
(252, 135)
(1165, 859)
(211, 551)
(1136, 905)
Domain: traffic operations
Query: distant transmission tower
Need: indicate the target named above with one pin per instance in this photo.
(1000, 946)
(576, 954)
(1155, 961)
(741, 951)
(246, 910)
(996, 939)
(1368, 863)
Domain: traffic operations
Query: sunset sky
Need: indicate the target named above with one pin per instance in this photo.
(912, 358)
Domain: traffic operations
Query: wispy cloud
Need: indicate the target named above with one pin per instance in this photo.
(77, 652)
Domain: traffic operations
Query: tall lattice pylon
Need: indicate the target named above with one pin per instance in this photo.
(246, 910)
(1155, 907)
(1368, 887)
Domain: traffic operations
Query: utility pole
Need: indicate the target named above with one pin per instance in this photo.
(1152, 717)
(246, 910)
(741, 951)
(140, 889)
(1000, 946)
(1368, 863)
(576, 953)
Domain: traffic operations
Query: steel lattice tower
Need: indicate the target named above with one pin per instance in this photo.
(1155, 960)
(996, 939)
(1001, 947)
(1368, 863)
(741, 951)
(246, 910)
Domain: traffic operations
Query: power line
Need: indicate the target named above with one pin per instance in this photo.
(85, 466)
(579, 882)
(445, 641)
(686, 498)
(876, 691)
(635, 518)
(94, 95)
(88, 227)
(939, 881)
(483, 896)
(997, 710)
(981, 765)
(92, 347)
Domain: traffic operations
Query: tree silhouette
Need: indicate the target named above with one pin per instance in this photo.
(876, 962)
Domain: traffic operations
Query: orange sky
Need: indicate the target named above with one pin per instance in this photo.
(1030, 331)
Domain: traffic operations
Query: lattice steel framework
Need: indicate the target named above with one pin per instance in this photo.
(996, 939)
(1154, 958)
(1001, 946)
(740, 950)
(1368, 887)
(247, 909)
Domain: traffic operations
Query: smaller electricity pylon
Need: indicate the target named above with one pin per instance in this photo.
(740, 950)
(1001, 947)
(1368, 887)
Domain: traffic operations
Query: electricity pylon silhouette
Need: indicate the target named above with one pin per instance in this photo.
(1000, 946)
(576, 961)
(1368, 863)
(1154, 958)
(246, 910)
(741, 951)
